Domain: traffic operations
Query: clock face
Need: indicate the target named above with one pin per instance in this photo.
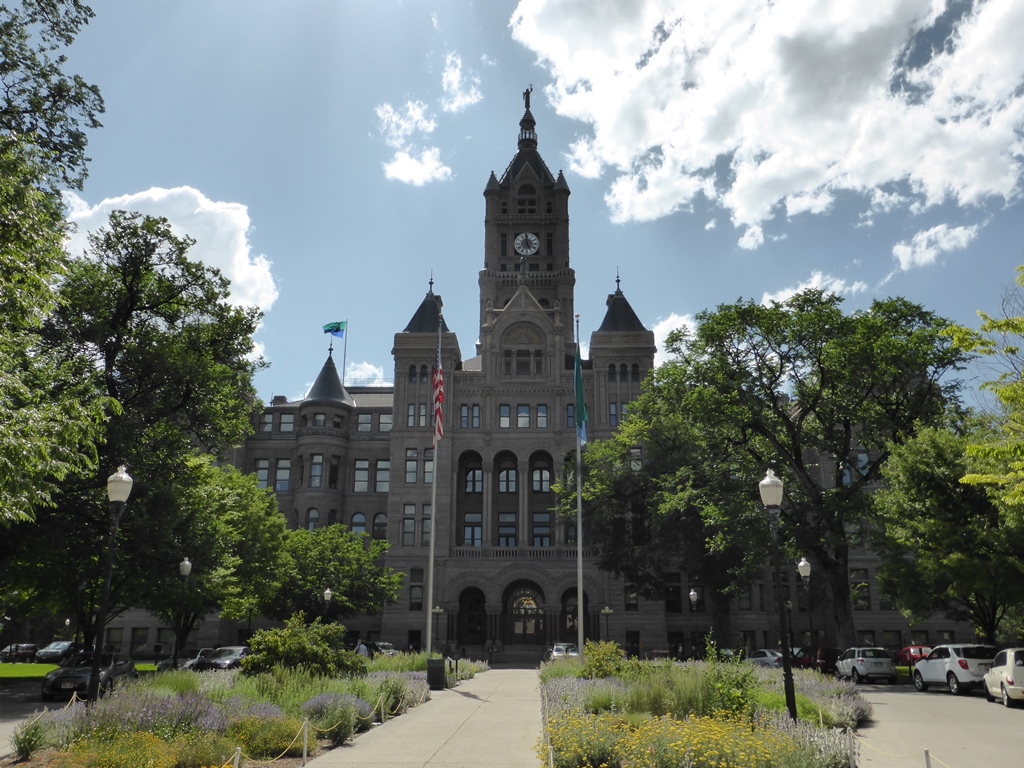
(526, 243)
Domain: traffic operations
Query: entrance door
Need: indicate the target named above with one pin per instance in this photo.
(472, 621)
(523, 622)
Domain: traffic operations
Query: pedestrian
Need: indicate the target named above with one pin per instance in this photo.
(361, 649)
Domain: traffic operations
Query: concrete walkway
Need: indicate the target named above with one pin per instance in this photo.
(491, 720)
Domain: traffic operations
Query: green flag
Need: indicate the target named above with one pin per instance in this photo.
(581, 407)
(336, 329)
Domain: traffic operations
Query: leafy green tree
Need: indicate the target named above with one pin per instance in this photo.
(38, 101)
(317, 648)
(333, 558)
(803, 387)
(947, 545)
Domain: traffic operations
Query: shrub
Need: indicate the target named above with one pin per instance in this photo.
(139, 750)
(602, 659)
(263, 736)
(318, 648)
(30, 737)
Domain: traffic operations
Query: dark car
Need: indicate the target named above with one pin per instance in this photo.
(19, 652)
(826, 660)
(57, 651)
(73, 675)
(226, 657)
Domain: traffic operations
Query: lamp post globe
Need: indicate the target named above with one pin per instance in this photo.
(804, 569)
(607, 612)
(694, 598)
(771, 490)
(119, 488)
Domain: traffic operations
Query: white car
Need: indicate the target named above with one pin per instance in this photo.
(866, 664)
(958, 666)
(1005, 678)
(766, 657)
(562, 651)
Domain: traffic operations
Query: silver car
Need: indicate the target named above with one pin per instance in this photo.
(72, 677)
(1005, 678)
(866, 664)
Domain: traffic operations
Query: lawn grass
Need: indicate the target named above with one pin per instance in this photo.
(24, 671)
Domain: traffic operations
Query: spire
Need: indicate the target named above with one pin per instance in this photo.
(328, 385)
(426, 317)
(620, 315)
(527, 154)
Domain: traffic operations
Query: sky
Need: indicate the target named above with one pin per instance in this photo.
(330, 156)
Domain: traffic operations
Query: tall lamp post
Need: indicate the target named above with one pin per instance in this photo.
(804, 569)
(771, 497)
(184, 569)
(607, 612)
(119, 488)
(694, 597)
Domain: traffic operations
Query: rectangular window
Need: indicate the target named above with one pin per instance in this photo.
(262, 473)
(316, 470)
(410, 417)
(673, 593)
(361, 478)
(523, 416)
(472, 530)
(409, 510)
(384, 423)
(504, 244)
(416, 597)
(319, 419)
(364, 422)
(550, 243)
(464, 416)
(507, 529)
(474, 481)
(408, 532)
(283, 476)
(428, 466)
(613, 414)
(267, 422)
(425, 532)
(541, 532)
(570, 416)
(745, 600)
(383, 476)
(504, 416)
(474, 417)
(542, 417)
(287, 422)
(423, 414)
(632, 598)
(411, 465)
(860, 591)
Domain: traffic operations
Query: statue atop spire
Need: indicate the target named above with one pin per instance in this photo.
(526, 95)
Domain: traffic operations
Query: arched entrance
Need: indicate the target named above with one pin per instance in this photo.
(522, 618)
(472, 624)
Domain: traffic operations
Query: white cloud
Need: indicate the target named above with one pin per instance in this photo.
(782, 104)
(220, 230)
(365, 375)
(397, 126)
(419, 170)
(711, 225)
(925, 247)
(459, 91)
(827, 283)
(664, 327)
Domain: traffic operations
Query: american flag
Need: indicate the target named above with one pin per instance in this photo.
(438, 393)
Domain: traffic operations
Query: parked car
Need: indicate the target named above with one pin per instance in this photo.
(226, 657)
(959, 666)
(73, 675)
(802, 658)
(19, 652)
(57, 651)
(381, 648)
(561, 651)
(186, 659)
(765, 657)
(866, 664)
(1005, 678)
(826, 658)
(911, 654)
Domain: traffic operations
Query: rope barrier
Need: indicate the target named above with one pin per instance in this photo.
(928, 758)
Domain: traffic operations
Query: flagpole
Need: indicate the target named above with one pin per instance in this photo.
(579, 504)
(344, 353)
(436, 414)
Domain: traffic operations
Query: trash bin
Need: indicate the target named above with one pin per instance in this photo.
(435, 674)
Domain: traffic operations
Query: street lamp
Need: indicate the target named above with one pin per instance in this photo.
(771, 497)
(67, 628)
(438, 611)
(184, 569)
(119, 488)
(694, 597)
(327, 601)
(804, 569)
(607, 612)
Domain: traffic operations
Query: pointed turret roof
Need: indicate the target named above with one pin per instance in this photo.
(527, 154)
(619, 315)
(328, 386)
(425, 318)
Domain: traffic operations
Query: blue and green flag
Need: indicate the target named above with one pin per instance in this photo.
(581, 407)
(336, 329)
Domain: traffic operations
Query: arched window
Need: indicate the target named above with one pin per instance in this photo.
(623, 373)
(507, 478)
(474, 480)
(423, 374)
(380, 526)
(541, 479)
(636, 372)
(312, 519)
(412, 374)
(358, 523)
(611, 372)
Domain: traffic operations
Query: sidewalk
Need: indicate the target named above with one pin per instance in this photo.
(491, 720)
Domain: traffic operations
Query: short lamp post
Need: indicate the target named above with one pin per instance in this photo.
(607, 613)
(804, 569)
(184, 569)
(327, 601)
(438, 612)
(694, 597)
(67, 628)
(119, 488)
(771, 497)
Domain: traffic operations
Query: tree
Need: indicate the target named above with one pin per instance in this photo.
(820, 395)
(946, 545)
(333, 558)
(38, 102)
(139, 324)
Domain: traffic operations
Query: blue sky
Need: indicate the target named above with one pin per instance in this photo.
(330, 156)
